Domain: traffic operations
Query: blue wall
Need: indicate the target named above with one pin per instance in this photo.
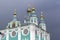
(27, 37)
(14, 38)
(4, 38)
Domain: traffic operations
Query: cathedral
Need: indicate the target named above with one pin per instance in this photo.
(31, 29)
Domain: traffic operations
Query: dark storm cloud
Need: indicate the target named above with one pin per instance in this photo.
(51, 9)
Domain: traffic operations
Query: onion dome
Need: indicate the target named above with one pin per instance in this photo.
(33, 9)
(14, 13)
(28, 9)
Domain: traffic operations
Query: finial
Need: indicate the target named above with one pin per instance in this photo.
(28, 9)
(41, 13)
(41, 16)
(14, 13)
(33, 9)
(29, 5)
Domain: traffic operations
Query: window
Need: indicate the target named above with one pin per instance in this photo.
(31, 20)
(35, 20)
(13, 33)
(25, 31)
(9, 26)
(36, 32)
(13, 24)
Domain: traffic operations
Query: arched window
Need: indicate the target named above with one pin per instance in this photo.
(9, 26)
(13, 24)
(35, 20)
(31, 20)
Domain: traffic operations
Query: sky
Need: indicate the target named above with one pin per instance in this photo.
(50, 8)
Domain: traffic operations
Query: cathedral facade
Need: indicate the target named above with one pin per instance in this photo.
(31, 29)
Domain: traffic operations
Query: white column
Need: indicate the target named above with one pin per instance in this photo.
(19, 34)
(44, 36)
(40, 36)
(32, 33)
(48, 37)
(7, 34)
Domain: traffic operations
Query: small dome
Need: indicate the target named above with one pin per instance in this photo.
(33, 9)
(41, 16)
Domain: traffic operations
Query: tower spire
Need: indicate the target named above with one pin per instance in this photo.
(33, 17)
(42, 23)
(33, 9)
(28, 9)
(14, 14)
(27, 18)
(41, 16)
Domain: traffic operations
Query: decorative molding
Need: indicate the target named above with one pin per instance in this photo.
(23, 32)
(12, 35)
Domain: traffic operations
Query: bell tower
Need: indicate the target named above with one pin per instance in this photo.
(33, 17)
(42, 23)
(27, 18)
(14, 23)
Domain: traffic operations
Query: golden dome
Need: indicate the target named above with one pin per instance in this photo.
(41, 16)
(33, 9)
(28, 10)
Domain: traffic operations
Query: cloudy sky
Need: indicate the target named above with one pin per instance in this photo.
(50, 8)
